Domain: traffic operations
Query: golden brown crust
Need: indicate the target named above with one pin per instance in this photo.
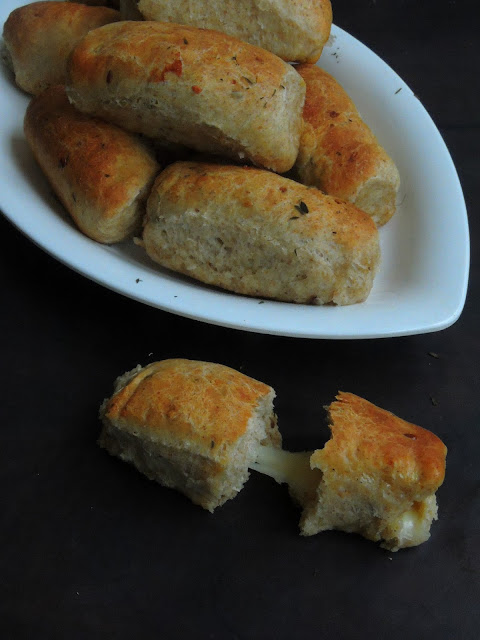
(191, 426)
(206, 405)
(191, 86)
(40, 36)
(257, 233)
(294, 30)
(101, 173)
(368, 438)
(339, 153)
(379, 475)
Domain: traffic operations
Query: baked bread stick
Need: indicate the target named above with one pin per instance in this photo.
(259, 234)
(294, 30)
(101, 174)
(339, 154)
(191, 426)
(199, 88)
(39, 37)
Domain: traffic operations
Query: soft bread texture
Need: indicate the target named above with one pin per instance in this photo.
(195, 87)
(339, 154)
(260, 234)
(40, 36)
(192, 426)
(101, 174)
(295, 30)
(379, 475)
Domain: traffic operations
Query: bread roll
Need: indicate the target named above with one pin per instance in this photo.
(259, 234)
(377, 476)
(295, 30)
(192, 426)
(40, 36)
(101, 173)
(199, 88)
(339, 154)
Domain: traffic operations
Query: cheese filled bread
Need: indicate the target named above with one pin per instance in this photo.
(192, 426)
(39, 37)
(377, 476)
(256, 233)
(190, 86)
(101, 174)
(294, 30)
(339, 154)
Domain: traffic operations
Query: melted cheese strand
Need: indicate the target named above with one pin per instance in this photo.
(285, 466)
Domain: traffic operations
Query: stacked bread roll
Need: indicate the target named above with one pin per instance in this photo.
(215, 87)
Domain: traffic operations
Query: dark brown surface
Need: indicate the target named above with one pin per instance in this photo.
(91, 549)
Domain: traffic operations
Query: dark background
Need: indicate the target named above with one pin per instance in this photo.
(91, 549)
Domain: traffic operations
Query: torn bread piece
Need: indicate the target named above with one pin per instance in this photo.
(40, 36)
(100, 173)
(377, 476)
(193, 426)
(339, 154)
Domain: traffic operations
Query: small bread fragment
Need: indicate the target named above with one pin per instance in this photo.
(101, 174)
(192, 426)
(377, 476)
(339, 154)
(39, 37)
(199, 88)
(294, 30)
(256, 233)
